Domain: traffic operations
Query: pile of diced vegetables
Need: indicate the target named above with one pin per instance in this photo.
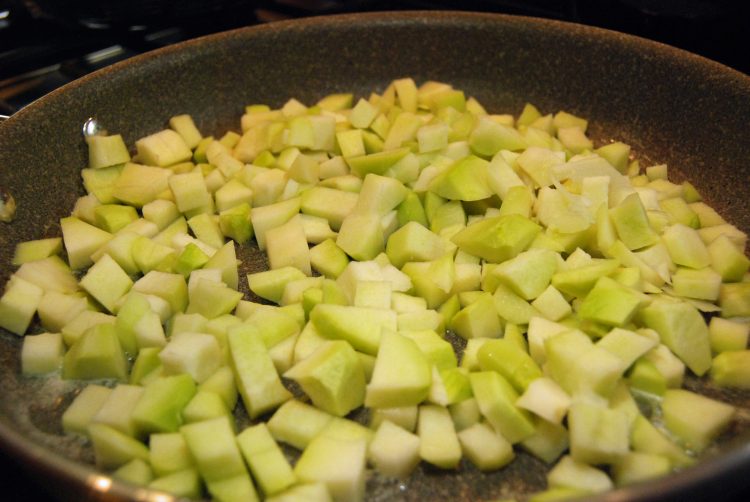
(579, 280)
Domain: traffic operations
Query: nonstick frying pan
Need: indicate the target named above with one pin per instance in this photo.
(671, 106)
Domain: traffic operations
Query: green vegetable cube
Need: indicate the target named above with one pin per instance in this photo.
(332, 376)
(496, 399)
(484, 447)
(340, 464)
(113, 449)
(598, 435)
(732, 369)
(438, 441)
(96, 354)
(695, 419)
(84, 407)
(266, 460)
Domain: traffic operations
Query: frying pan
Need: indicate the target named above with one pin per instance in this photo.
(670, 106)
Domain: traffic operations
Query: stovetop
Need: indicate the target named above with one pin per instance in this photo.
(47, 43)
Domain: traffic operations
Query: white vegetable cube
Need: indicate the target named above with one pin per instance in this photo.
(168, 453)
(36, 250)
(287, 245)
(317, 229)
(469, 359)
(57, 309)
(105, 151)
(189, 191)
(138, 184)
(402, 303)
(113, 449)
(373, 294)
(300, 132)
(486, 449)
(81, 240)
(439, 443)
(399, 280)
(726, 335)
(270, 216)
(313, 492)
(668, 364)
(546, 398)
(72, 331)
(449, 386)
(465, 413)
(137, 471)
(107, 282)
(149, 331)
(468, 277)
(344, 429)
(479, 319)
(340, 464)
(297, 423)
(50, 274)
(267, 186)
(574, 139)
(350, 142)
(116, 411)
(163, 148)
(162, 212)
(394, 451)
(231, 194)
(257, 380)
(184, 483)
(204, 405)
(694, 419)
(626, 345)
(266, 460)
(18, 304)
(686, 247)
(598, 435)
(214, 449)
(728, 259)
(214, 180)
(402, 416)
(220, 156)
(84, 407)
(569, 473)
(552, 305)
(363, 114)
(208, 274)
(42, 353)
(406, 92)
(212, 299)
(185, 127)
(636, 467)
(703, 284)
(333, 167)
(159, 306)
(332, 376)
(548, 442)
(196, 354)
(402, 374)
(433, 137)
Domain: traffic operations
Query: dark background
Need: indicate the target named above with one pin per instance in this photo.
(47, 43)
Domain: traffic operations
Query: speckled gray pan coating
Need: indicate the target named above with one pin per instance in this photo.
(670, 106)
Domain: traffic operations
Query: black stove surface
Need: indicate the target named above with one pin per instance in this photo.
(46, 44)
